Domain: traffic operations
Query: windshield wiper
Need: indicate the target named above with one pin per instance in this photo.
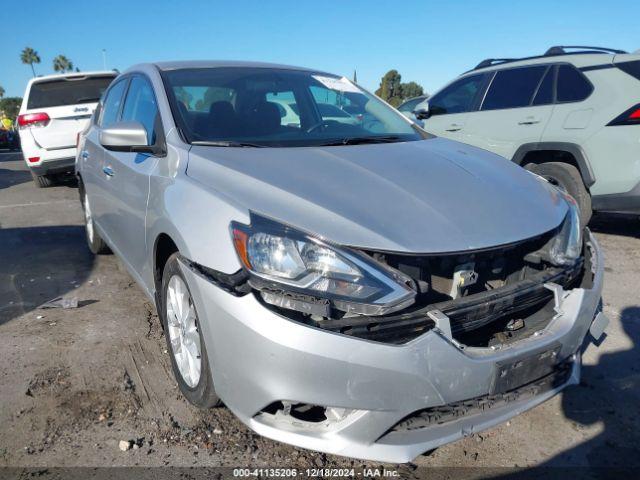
(227, 143)
(362, 140)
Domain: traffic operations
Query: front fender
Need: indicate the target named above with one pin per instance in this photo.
(196, 219)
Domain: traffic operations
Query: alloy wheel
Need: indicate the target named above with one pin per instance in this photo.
(183, 331)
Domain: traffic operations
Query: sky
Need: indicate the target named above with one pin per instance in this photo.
(428, 41)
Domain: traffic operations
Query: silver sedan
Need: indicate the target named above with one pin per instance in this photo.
(359, 288)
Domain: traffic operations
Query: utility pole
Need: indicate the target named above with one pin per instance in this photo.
(104, 59)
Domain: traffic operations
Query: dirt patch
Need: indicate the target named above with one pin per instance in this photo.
(51, 381)
(71, 413)
(153, 321)
(83, 408)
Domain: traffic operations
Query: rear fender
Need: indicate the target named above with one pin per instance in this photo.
(575, 150)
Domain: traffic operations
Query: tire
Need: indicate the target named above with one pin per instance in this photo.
(567, 177)
(198, 390)
(42, 181)
(95, 243)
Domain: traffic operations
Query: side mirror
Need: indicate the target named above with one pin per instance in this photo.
(125, 137)
(422, 112)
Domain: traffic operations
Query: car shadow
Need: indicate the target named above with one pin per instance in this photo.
(616, 224)
(39, 264)
(9, 178)
(608, 398)
(609, 395)
(68, 180)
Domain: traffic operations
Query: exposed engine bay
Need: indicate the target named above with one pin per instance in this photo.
(489, 297)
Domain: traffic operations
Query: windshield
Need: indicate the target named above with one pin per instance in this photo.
(269, 107)
(67, 91)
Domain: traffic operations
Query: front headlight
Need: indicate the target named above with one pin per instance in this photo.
(281, 259)
(567, 245)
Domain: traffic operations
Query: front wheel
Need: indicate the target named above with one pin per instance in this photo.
(568, 178)
(185, 341)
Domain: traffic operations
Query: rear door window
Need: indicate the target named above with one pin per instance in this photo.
(111, 106)
(544, 95)
(572, 85)
(140, 106)
(513, 88)
(67, 91)
(458, 97)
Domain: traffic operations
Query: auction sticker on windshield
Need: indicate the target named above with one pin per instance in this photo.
(341, 84)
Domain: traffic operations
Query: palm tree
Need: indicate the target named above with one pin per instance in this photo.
(1, 92)
(62, 64)
(30, 56)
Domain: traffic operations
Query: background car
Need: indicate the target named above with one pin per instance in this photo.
(54, 110)
(408, 106)
(571, 115)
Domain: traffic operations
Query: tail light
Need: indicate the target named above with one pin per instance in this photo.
(635, 115)
(629, 117)
(33, 120)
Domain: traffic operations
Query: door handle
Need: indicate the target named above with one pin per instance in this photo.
(108, 171)
(85, 155)
(454, 127)
(529, 121)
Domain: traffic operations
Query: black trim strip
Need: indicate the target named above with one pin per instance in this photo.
(603, 66)
(630, 68)
(575, 150)
(625, 202)
(233, 283)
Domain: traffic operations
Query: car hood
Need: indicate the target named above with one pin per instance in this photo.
(425, 196)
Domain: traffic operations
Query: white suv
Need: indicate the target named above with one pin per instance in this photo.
(571, 115)
(54, 110)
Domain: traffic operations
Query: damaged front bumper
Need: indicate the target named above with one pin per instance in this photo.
(384, 402)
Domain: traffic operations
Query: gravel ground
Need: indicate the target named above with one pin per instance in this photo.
(75, 383)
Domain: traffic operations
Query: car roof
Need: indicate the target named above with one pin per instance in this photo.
(584, 56)
(177, 65)
(96, 73)
(579, 60)
(413, 98)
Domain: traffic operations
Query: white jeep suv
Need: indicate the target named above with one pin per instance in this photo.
(54, 110)
(571, 115)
